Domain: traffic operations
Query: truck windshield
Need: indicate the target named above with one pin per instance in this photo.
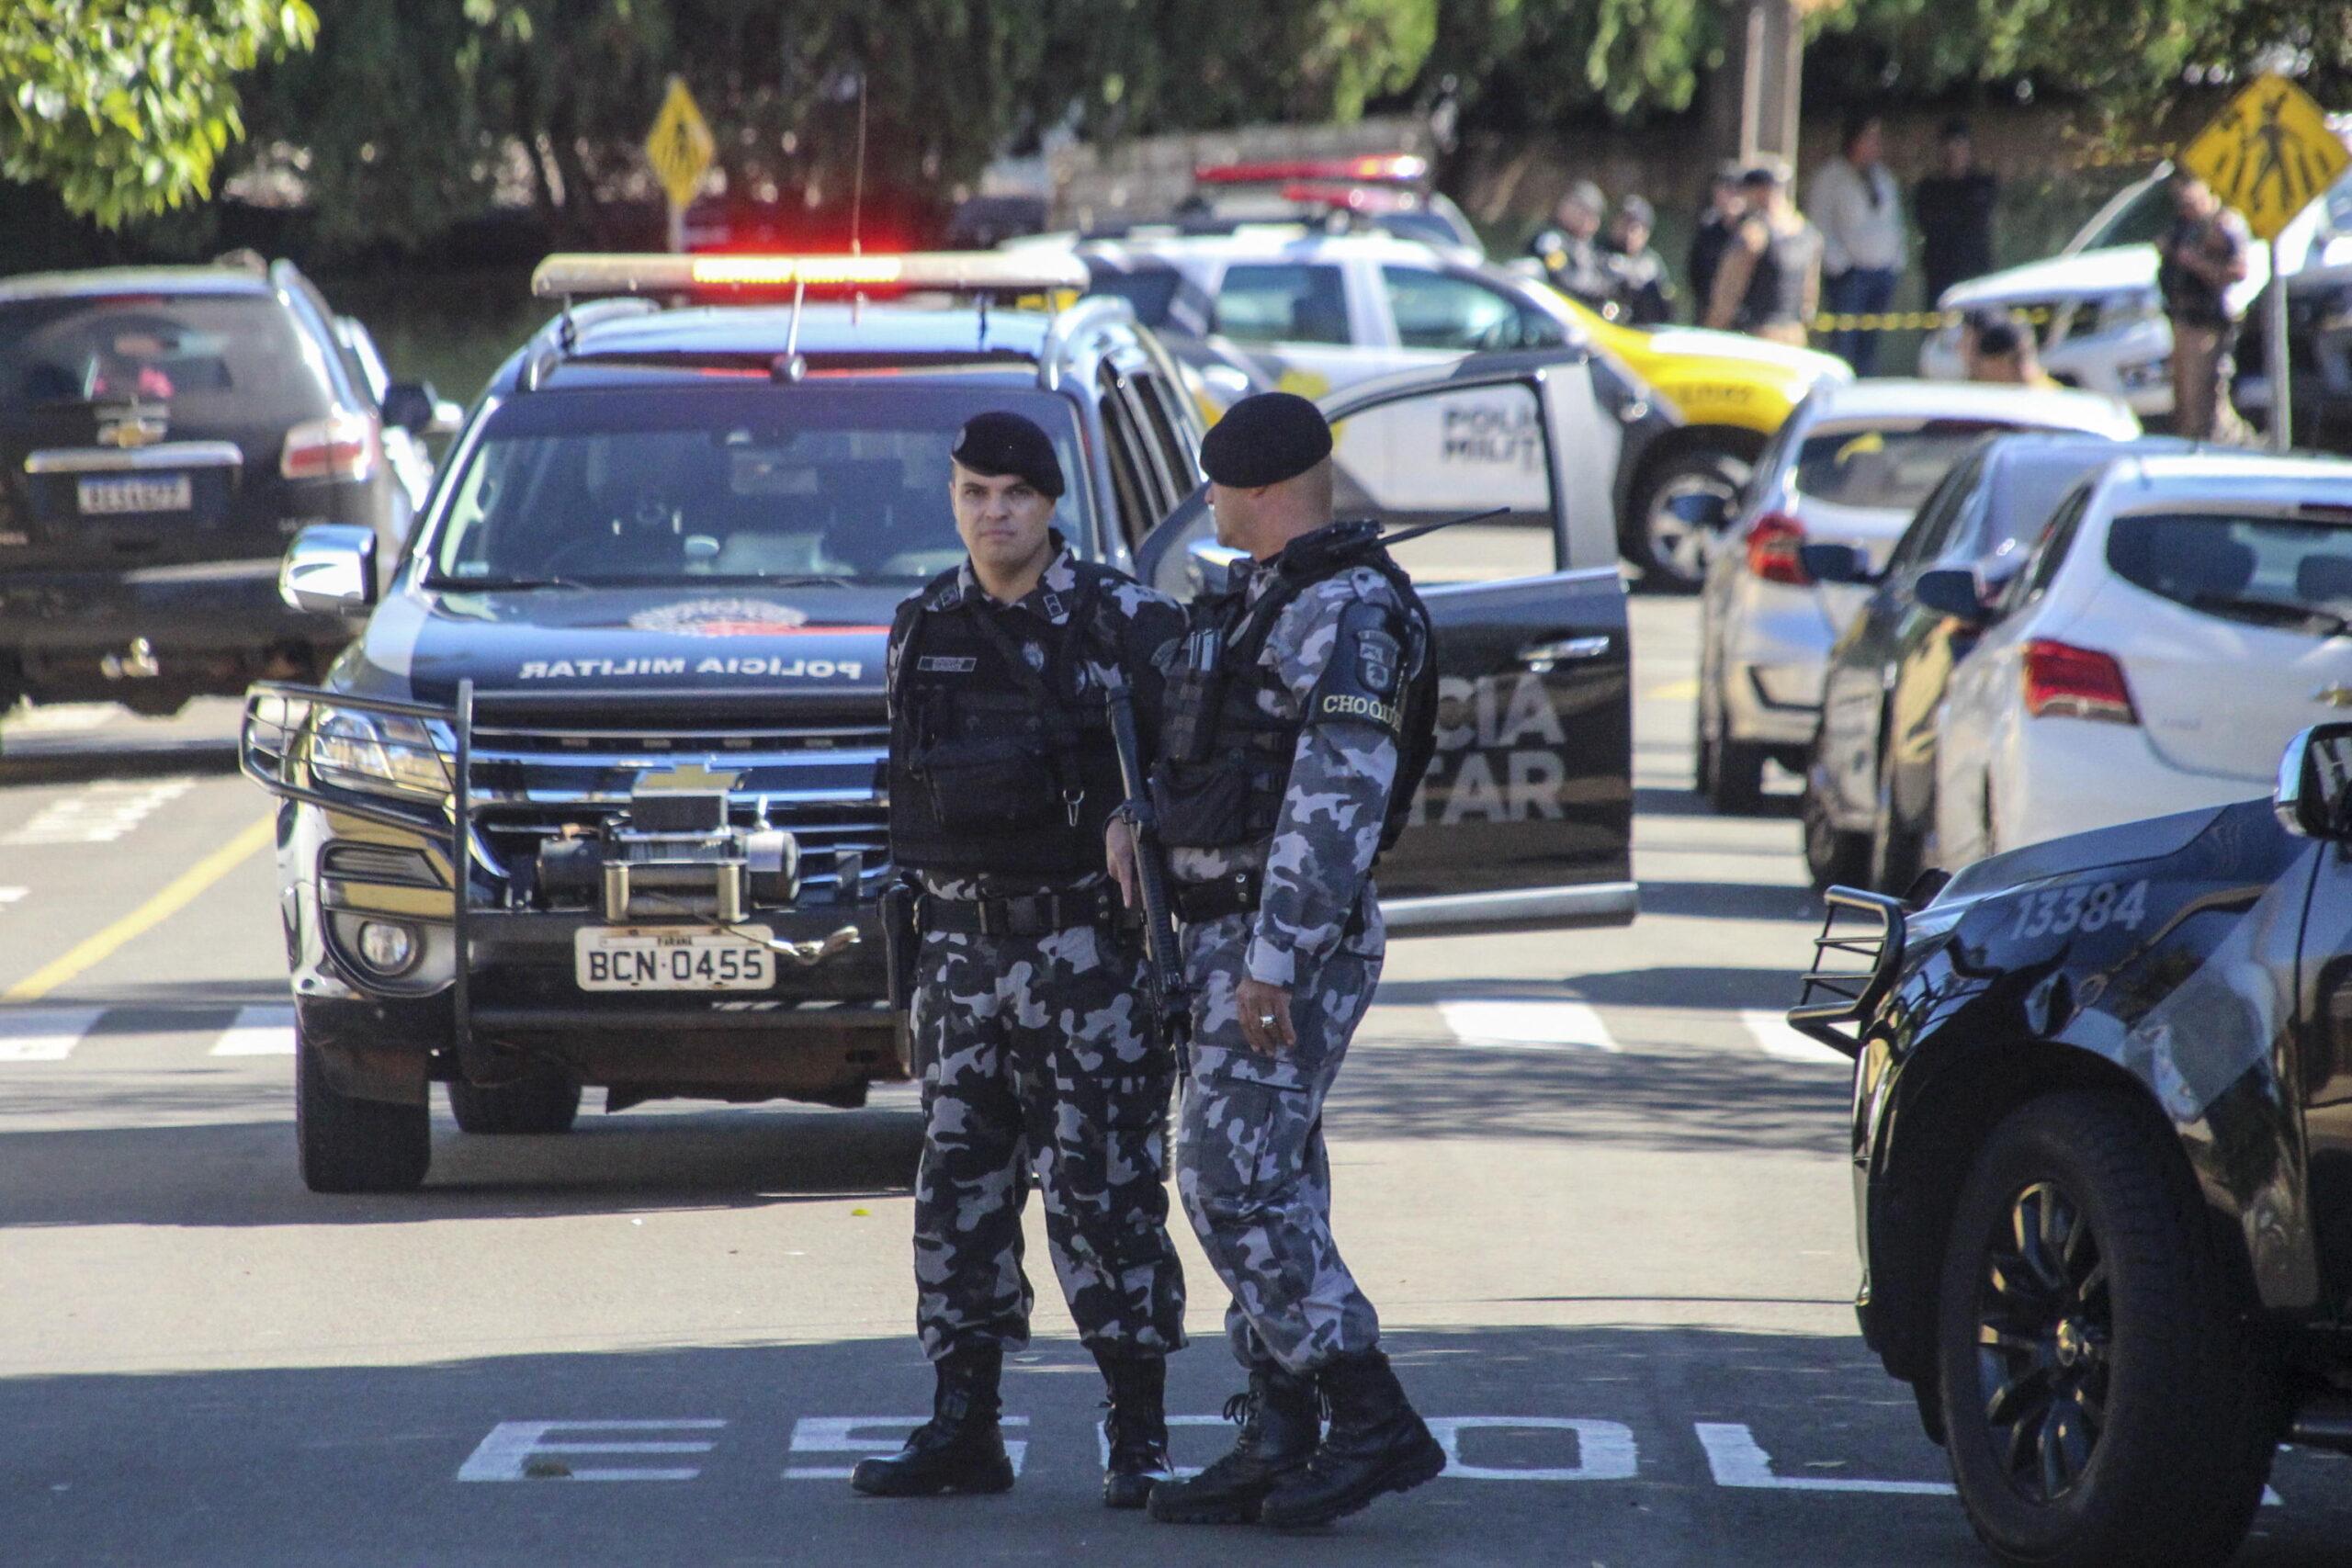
(711, 484)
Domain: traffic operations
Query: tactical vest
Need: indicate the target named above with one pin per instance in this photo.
(995, 767)
(1225, 759)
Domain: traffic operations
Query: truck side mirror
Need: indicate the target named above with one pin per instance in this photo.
(1953, 591)
(2314, 783)
(330, 570)
(1836, 563)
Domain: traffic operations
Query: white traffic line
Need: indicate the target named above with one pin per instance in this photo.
(519, 1450)
(98, 815)
(66, 719)
(1771, 1032)
(258, 1032)
(1734, 1459)
(871, 1436)
(43, 1034)
(11, 894)
(1527, 1026)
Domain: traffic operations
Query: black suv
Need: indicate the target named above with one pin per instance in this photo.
(2102, 1141)
(163, 432)
(625, 689)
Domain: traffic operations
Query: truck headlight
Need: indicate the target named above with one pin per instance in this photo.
(382, 756)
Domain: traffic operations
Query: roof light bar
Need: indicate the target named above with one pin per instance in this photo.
(585, 276)
(1380, 168)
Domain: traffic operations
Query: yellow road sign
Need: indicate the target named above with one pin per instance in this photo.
(680, 145)
(2268, 154)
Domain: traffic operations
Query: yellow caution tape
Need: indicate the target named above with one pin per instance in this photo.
(1910, 321)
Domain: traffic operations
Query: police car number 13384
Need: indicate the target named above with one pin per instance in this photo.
(2085, 907)
(673, 958)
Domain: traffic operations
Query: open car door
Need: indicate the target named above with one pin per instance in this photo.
(1526, 815)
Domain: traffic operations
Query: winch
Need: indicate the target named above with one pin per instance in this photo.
(673, 854)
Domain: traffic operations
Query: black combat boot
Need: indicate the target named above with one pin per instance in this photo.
(1280, 1418)
(1136, 1427)
(960, 1448)
(1376, 1444)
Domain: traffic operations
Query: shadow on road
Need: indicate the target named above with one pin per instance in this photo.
(238, 1173)
(1570, 1444)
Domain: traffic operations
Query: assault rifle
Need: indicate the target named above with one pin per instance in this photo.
(1164, 989)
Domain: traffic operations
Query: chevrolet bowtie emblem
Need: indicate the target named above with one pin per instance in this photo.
(2335, 697)
(692, 776)
(130, 430)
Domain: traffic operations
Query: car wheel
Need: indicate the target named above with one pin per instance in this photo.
(1897, 853)
(538, 1105)
(348, 1144)
(1731, 773)
(1671, 553)
(1832, 856)
(2102, 1402)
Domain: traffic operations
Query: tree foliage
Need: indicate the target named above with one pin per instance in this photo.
(124, 107)
(411, 115)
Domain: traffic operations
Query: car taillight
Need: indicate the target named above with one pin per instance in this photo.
(2065, 682)
(1773, 541)
(344, 445)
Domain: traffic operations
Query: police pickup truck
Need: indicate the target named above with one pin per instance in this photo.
(599, 798)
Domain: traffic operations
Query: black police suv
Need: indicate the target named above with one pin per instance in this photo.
(1869, 807)
(599, 798)
(2102, 1141)
(163, 432)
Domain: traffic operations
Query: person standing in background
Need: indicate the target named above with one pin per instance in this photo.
(1570, 248)
(1953, 207)
(1726, 209)
(1859, 212)
(1769, 284)
(1998, 350)
(1643, 294)
(2200, 257)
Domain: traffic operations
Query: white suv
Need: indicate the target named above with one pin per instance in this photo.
(2096, 311)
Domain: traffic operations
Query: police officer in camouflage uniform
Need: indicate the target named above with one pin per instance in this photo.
(1297, 726)
(1035, 1049)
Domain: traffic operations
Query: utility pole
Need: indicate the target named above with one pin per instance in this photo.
(1771, 73)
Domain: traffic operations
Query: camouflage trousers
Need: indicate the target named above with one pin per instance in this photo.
(1249, 1158)
(1038, 1056)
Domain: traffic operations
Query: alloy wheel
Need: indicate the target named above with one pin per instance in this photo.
(2044, 1329)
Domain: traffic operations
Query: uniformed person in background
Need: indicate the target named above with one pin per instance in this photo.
(1035, 1047)
(1297, 725)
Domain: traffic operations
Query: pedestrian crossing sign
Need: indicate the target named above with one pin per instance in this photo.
(2267, 155)
(680, 144)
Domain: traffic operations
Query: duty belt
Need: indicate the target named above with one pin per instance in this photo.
(1240, 894)
(1019, 915)
(1235, 895)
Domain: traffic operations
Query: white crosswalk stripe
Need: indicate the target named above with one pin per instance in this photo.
(98, 815)
(1527, 1026)
(258, 1032)
(44, 1035)
(1772, 1035)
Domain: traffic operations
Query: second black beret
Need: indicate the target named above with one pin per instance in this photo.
(1266, 439)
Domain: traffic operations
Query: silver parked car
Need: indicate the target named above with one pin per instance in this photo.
(1851, 465)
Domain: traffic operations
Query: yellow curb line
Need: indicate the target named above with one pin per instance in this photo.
(1673, 690)
(182, 891)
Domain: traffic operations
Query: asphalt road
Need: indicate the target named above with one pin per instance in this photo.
(1598, 1192)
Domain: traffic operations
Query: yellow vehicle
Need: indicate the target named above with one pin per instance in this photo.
(1732, 391)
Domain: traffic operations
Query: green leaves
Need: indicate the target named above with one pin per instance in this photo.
(125, 106)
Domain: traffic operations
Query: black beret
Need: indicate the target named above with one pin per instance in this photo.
(998, 444)
(1266, 439)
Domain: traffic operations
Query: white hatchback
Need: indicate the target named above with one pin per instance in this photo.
(2181, 617)
(1850, 467)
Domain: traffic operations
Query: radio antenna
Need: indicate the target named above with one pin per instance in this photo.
(857, 182)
